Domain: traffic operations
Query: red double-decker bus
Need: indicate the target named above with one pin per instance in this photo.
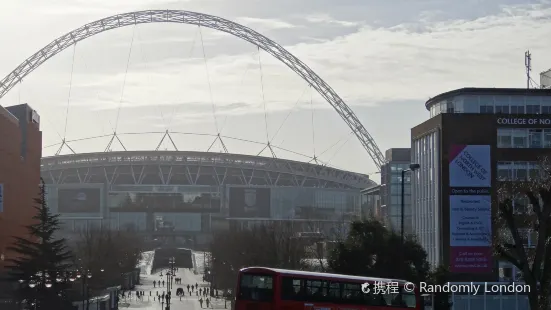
(260, 288)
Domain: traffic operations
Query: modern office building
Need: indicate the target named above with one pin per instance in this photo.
(188, 195)
(371, 203)
(397, 160)
(20, 152)
(475, 137)
(383, 201)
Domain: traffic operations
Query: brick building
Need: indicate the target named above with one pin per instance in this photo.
(20, 153)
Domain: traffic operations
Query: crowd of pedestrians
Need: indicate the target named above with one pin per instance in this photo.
(192, 289)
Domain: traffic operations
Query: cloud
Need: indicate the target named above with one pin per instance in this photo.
(327, 19)
(383, 62)
(264, 23)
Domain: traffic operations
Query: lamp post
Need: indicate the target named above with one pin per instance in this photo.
(170, 273)
(85, 275)
(169, 278)
(211, 271)
(171, 262)
(167, 296)
(412, 167)
(42, 280)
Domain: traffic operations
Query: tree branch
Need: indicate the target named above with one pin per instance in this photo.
(507, 213)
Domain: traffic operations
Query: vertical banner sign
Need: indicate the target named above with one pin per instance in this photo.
(470, 209)
(1, 197)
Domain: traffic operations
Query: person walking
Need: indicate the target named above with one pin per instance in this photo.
(154, 284)
(201, 302)
(207, 301)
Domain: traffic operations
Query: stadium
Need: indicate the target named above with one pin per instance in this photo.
(164, 194)
(187, 195)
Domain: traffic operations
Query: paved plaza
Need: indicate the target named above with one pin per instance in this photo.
(151, 302)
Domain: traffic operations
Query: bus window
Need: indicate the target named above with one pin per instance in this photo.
(334, 292)
(256, 287)
(403, 300)
(409, 299)
(352, 293)
(316, 289)
(292, 289)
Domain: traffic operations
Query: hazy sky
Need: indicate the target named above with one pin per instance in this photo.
(384, 58)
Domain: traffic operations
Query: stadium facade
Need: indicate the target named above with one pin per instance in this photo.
(188, 195)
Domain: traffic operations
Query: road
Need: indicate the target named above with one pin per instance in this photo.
(152, 302)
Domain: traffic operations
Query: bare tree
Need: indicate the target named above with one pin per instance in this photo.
(273, 245)
(526, 207)
(114, 252)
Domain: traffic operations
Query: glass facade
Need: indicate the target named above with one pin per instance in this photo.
(517, 170)
(154, 208)
(371, 203)
(333, 230)
(314, 204)
(191, 199)
(523, 138)
(493, 104)
(489, 300)
(426, 194)
(393, 196)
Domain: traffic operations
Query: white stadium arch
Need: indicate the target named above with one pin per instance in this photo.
(209, 21)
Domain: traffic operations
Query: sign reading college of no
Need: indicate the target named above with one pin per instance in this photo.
(524, 121)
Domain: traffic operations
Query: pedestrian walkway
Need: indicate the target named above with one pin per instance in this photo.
(151, 301)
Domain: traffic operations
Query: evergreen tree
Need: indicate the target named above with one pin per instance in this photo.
(370, 249)
(41, 262)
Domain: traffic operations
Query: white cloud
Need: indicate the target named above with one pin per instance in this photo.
(264, 23)
(327, 19)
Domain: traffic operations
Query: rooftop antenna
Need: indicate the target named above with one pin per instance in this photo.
(528, 65)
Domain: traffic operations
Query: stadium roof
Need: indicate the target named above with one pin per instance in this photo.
(194, 168)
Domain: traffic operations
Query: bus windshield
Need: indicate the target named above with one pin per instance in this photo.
(256, 287)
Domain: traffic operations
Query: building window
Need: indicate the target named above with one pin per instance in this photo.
(504, 138)
(532, 109)
(504, 171)
(535, 138)
(517, 109)
(523, 138)
(546, 110)
(520, 171)
(547, 138)
(486, 109)
(520, 138)
(533, 171)
(517, 171)
(502, 109)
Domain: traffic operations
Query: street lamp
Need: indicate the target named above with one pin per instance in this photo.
(170, 273)
(412, 167)
(39, 281)
(85, 275)
(169, 276)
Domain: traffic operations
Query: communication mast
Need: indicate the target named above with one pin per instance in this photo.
(528, 65)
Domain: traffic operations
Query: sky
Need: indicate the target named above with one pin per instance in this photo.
(385, 59)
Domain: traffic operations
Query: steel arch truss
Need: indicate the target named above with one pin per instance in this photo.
(194, 168)
(209, 21)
